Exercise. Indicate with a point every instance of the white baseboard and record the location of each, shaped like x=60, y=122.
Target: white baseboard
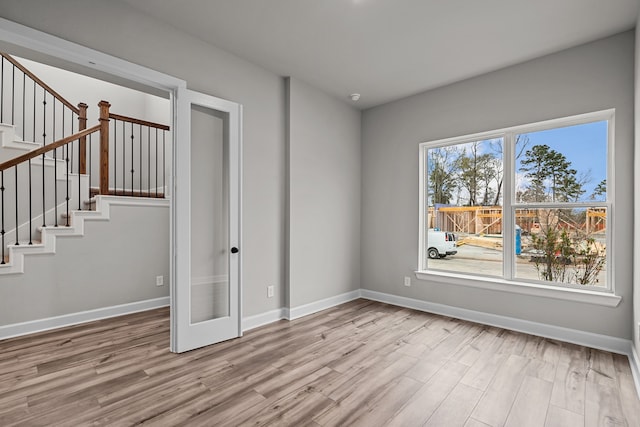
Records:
x=18, y=329
x=634, y=361
x=252, y=322
x=602, y=342
x=314, y=307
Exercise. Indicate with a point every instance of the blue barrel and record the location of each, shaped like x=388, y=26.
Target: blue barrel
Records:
x=518, y=240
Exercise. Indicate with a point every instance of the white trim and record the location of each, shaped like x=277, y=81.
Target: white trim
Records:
x=40, y=325
x=589, y=339
x=257, y=320
x=323, y=304
x=606, y=299
x=634, y=362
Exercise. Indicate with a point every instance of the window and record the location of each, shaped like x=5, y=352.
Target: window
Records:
x=524, y=205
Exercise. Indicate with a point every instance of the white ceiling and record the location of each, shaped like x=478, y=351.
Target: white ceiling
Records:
x=389, y=49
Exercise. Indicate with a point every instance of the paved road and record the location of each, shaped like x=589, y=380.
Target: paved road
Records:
x=488, y=262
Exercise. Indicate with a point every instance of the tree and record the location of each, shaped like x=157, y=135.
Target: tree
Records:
x=442, y=177
x=564, y=256
x=551, y=176
x=600, y=190
x=476, y=171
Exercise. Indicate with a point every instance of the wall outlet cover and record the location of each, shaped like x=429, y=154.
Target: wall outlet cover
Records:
x=407, y=281
x=270, y=291
x=159, y=280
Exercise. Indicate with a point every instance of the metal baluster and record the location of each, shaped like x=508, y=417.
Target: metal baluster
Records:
x=79, y=187
x=132, y=170
x=148, y=162
x=124, y=162
x=156, y=157
x=30, y=213
x=164, y=163
x=115, y=156
x=34, y=111
x=67, y=182
x=2, y=229
x=2, y=101
x=13, y=96
x=73, y=121
x=44, y=142
x=24, y=102
x=15, y=168
x=55, y=166
x=140, y=142
x=90, y=161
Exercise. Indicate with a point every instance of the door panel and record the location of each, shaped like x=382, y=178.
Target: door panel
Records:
x=206, y=292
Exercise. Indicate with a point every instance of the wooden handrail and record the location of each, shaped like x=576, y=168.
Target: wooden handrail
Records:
x=138, y=121
x=49, y=147
x=41, y=83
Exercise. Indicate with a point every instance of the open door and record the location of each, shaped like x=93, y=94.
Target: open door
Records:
x=206, y=300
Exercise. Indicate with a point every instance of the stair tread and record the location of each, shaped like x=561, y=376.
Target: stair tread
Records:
x=26, y=244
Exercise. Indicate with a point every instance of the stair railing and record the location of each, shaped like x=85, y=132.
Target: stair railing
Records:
x=137, y=151
x=21, y=93
x=132, y=146
x=25, y=160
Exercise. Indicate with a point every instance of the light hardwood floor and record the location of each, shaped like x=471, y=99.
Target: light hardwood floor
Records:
x=362, y=363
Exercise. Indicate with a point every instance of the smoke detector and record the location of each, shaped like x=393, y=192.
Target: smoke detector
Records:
x=354, y=96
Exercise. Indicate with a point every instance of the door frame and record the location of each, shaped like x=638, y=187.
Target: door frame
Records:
x=38, y=42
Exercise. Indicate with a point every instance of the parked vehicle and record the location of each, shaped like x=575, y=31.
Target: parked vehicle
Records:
x=440, y=244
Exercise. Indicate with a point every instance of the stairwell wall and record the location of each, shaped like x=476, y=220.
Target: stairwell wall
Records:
x=116, y=262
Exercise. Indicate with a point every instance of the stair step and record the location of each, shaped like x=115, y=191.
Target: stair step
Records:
x=25, y=243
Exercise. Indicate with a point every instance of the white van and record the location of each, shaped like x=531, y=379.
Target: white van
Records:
x=440, y=244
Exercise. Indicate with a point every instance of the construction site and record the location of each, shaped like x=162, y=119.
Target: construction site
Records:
x=482, y=225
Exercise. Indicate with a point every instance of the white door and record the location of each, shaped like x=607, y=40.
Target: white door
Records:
x=205, y=298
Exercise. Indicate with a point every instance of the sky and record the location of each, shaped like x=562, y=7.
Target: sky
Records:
x=584, y=146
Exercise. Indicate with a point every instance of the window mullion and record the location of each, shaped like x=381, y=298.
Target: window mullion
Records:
x=508, y=223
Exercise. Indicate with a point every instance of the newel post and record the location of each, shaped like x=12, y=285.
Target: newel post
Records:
x=104, y=146
x=82, y=125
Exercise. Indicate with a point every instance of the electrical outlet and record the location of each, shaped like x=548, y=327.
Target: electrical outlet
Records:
x=270, y=291
x=159, y=280
x=407, y=281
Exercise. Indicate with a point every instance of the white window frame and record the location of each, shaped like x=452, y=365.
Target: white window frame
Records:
x=508, y=282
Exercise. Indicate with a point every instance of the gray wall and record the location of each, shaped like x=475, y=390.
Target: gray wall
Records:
x=121, y=31
x=587, y=78
x=323, y=195
x=115, y=262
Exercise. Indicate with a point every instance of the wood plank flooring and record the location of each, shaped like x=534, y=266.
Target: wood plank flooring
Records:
x=362, y=363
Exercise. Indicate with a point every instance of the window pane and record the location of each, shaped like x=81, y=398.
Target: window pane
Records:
x=464, y=206
x=566, y=164
x=562, y=245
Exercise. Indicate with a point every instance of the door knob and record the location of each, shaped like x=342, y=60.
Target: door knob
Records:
x=234, y=250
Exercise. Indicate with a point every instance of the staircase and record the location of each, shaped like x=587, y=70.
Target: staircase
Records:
x=55, y=173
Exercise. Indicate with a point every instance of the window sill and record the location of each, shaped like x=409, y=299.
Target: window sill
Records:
x=590, y=297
